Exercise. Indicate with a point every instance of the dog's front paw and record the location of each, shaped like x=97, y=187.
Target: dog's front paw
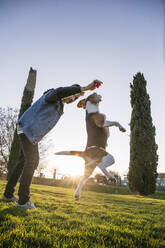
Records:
x=122, y=129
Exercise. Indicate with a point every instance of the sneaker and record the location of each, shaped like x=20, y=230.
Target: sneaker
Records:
x=27, y=205
x=11, y=199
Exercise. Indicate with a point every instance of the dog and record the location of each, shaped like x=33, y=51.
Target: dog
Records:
x=95, y=154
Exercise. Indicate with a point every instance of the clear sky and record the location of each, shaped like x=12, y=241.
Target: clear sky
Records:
x=74, y=41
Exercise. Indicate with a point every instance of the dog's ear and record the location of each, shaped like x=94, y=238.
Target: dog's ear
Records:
x=82, y=103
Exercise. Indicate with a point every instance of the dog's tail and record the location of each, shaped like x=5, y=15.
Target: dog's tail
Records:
x=72, y=153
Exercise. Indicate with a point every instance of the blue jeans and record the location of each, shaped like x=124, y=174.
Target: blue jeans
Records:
x=24, y=169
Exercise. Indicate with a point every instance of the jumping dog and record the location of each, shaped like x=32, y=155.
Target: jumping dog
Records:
x=95, y=153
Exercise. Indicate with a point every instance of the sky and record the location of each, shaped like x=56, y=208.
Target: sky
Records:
x=76, y=41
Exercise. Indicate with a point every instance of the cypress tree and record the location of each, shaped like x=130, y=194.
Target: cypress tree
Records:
x=26, y=102
x=142, y=173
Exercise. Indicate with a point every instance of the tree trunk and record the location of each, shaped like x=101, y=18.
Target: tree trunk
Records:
x=27, y=99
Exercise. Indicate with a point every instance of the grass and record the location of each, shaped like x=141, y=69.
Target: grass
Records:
x=97, y=220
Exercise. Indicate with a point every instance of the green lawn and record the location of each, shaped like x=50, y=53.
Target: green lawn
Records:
x=97, y=220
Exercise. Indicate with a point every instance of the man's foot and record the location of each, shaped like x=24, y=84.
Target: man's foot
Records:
x=11, y=199
x=27, y=205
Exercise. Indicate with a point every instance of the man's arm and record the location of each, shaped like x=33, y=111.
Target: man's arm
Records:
x=57, y=94
x=92, y=86
x=63, y=92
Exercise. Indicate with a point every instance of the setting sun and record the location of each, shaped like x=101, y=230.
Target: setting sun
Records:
x=66, y=165
x=72, y=165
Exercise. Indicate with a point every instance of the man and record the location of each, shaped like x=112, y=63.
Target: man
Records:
x=33, y=125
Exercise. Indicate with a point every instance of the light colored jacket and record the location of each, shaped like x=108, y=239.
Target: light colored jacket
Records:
x=43, y=115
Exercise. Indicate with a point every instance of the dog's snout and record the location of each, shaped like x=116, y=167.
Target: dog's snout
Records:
x=97, y=95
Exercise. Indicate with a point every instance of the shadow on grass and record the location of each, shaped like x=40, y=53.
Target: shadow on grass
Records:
x=48, y=193
x=160, y=195
x=15, y=211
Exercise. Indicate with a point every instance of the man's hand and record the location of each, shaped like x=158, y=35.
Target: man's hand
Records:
x=95, y=84
x=92, y=86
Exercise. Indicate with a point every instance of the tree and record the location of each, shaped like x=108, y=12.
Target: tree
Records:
x=27, y=99
x=8, y=119
x=143, y=149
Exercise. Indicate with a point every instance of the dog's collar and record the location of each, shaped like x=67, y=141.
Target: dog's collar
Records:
x=90, y=147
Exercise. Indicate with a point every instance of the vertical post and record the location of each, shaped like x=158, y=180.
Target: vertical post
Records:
x=54, y=174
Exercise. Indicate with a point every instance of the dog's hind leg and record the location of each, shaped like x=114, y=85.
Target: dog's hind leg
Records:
x=79, y=188
x=90, y=165
x=106, y=162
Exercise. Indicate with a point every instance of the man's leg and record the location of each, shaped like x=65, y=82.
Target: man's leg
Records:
x=31, y=156
x=14, y=177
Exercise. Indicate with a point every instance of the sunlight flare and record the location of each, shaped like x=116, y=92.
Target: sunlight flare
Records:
x=72, y=166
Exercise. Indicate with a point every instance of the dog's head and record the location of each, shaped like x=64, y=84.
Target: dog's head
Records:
x=93, y=98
